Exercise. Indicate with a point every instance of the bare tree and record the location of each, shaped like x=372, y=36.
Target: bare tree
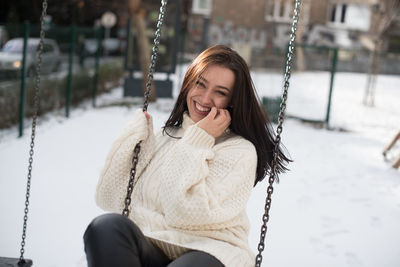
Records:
x=386, y=11
x=303, y=23
x=138, y=13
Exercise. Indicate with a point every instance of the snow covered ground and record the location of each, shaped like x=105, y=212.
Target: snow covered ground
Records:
x=338, y=206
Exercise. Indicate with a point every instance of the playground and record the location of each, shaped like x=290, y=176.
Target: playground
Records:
x=337, y=205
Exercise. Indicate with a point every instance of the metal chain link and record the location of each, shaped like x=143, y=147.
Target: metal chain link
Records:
x=132, y=182
x=270, y=189
x=36, y=101
x=154, y=53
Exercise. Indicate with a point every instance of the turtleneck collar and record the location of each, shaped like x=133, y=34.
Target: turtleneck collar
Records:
x=187, y=121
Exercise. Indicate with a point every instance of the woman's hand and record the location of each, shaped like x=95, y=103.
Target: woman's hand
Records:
x=147, y=116
x=216, y=122
x=149, y=124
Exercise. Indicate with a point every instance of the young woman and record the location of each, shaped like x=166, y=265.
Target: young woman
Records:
x=194, y=177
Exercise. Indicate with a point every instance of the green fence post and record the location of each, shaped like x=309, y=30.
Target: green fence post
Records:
x=23, y=76
x=96, y=65
x=333, y=71
x=69, y=78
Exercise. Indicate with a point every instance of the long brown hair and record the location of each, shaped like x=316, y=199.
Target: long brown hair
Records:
x=248, y=118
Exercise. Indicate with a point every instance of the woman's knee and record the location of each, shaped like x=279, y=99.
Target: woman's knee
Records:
x=103, y=226
x=109, y=242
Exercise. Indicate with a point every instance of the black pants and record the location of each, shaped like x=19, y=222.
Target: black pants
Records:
x=115, y=241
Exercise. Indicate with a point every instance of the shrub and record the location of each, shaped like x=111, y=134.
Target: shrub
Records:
x=53, y=91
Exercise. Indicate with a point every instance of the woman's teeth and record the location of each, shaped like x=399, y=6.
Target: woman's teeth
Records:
x=201, y=108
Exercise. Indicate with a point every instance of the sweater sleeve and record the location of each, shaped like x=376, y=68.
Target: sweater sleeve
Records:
x=113, y=182
x=205, y=186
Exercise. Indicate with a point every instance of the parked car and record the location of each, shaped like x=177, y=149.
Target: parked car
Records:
x=11, y=56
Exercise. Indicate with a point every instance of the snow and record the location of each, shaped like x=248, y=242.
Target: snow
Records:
x=338, y=206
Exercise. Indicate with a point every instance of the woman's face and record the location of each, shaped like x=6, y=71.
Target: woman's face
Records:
x=214, y=88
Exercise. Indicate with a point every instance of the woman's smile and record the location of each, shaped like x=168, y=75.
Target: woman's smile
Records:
x=202, y=110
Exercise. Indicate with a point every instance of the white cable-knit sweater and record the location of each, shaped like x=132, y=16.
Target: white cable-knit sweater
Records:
x=191, y=192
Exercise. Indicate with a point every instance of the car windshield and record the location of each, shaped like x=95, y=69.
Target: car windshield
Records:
x=17, y=46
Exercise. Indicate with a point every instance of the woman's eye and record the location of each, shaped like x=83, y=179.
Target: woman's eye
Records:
x=222, y=93
x=200, y=84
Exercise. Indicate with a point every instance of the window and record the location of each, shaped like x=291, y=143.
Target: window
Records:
x=351, y=16
x=344, y=7
x=202, y=7
x=279, y=10
x=338, y=13
x=333, y=13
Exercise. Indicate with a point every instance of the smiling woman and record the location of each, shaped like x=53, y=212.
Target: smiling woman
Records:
x=194, y=178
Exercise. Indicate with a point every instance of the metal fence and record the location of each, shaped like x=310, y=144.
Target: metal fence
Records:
x=326, y=62
x=88, y=63
x=77, y=64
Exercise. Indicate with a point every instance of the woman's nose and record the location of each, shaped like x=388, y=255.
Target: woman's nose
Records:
x=206, y=97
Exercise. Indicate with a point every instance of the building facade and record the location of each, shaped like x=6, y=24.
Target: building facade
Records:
x=265, y=24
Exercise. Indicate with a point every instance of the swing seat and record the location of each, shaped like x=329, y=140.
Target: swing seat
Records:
x=14, y=262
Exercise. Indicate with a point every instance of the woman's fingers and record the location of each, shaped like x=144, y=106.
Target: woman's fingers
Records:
x=223, y=117
x=228, y=117
x=147, y=116
x=227, y=114
x=213, y=113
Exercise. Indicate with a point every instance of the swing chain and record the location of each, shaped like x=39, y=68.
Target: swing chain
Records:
x=154, y=53
x=36, y=101
x=270, y=189
x=132, y=182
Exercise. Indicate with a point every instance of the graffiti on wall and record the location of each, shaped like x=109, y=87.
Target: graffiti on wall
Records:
x=237, y=35
x=282, y=35
x=229, y=34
